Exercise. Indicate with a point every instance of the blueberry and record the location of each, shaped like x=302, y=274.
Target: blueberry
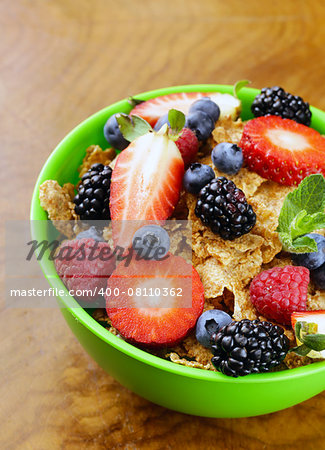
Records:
x=91, y=233
x=161, y=122
x=196, y=177
x=201, y=123
x=206, y=105
x=311, y=260
x=113, y=134
x=209, y=323
x=151, y=242
x=318, y=277
x=228, y=158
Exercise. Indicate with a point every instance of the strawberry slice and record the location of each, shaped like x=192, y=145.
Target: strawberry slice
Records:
x=312, y=322
x=153, y=109
x=145, y=184
x=154, y=303
x=282, y=150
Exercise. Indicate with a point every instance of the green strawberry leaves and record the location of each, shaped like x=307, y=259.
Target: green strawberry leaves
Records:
x=302, y=212
x=132, y=101
x=176, y=120
x=132, y=127
x=239, y=85
x=311, y=340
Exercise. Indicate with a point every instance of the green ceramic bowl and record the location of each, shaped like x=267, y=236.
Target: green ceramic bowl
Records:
x=192, y=391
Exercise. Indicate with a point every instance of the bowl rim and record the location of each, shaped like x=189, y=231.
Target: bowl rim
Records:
x=69, y=303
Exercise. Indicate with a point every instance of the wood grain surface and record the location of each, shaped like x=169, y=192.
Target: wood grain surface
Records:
x=61, y=61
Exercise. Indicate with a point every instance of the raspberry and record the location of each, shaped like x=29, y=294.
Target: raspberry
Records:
x=84, y=264
x=277, y=293
x=188, y=145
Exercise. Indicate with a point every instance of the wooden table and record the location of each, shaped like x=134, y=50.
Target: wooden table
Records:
x=60, y=62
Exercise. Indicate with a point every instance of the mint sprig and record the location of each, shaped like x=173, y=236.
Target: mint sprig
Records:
x=302, y=212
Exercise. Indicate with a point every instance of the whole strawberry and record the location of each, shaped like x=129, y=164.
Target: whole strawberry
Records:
x=188, y=145
x=276, y=293
x=84, y=265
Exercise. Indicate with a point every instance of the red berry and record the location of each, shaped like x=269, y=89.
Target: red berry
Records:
x=160, y=320
x=145, y=185
x=276, y=293
x=317, y=316
x=282, y=150
x=188, y=145
x=153, y=109
x=84, y=266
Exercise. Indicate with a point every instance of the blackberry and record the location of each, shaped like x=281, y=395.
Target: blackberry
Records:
x=245, y=347
x=277, y=102
x=224, y=208
x=92, y=200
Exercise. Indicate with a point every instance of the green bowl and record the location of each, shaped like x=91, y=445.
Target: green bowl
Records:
x=184, y=389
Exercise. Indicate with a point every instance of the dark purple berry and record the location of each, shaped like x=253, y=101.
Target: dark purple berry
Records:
x=113, y=134
x=200, y=123
x=197, y=176
x=223, y=208
x=227, y=158
x=248, y=346
x=92, y=200
x=208, y=106
x=277, y=102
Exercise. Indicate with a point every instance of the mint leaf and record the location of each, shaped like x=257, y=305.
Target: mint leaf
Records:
x=304, y=244
x=314, y=341
x=177, y=121
x=302, y=212
x=239, y=85
x=132, y=127
x=301, y=350
x=304, y=223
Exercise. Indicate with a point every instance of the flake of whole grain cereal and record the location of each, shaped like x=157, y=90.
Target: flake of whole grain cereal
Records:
x=214, y=278
x=243, y=307
x=94, y=155
x=185, y=362
x=196, y=351
x=292, y=360
x=56, y=201
x=227, y=131
x=316, y=300
x=70, y=190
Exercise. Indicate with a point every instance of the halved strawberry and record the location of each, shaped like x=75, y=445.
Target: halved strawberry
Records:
x=154, y=303
x=153, y=109
x=282, y=150
x=313, y=322
x=145, y=184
